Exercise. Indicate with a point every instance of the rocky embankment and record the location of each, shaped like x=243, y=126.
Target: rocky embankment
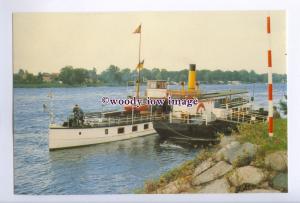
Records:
x=231, y=167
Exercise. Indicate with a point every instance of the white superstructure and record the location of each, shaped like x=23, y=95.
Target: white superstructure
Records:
x=65, y=137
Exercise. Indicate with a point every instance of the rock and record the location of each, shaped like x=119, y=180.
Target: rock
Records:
x=225, y=140
x=216, y=186
x=233, y=145
x=280, y=182
x=244, y=155
x=225, y=152
x=219, y=156
x=218, y=170
x=174, y=187
x=265, y=185
x=277, y=161
x=171, y=188
x=261, y=191
x=203, y=166
x=237, y=154
x=247, y=175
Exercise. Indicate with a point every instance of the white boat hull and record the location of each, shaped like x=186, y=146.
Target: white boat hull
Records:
x=60, y=137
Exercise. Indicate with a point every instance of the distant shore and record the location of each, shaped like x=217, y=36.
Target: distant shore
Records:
x=60, y=85
x=55, y=85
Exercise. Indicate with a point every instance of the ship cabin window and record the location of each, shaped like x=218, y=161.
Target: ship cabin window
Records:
x=120, y=130
x=217, y=104
x=146, y=126
x=106, y=131
x=134, y=128
x=154, y=84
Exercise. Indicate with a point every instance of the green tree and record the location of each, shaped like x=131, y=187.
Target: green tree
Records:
x=111, y=75
x=67, y=75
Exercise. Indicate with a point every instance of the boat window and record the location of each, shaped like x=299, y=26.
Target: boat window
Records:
x=161, y=85
x=146, y=126
x=120, y=130
x=152, y=85
x=157, y=85
x=134, y=128
x=106, y=131
x=217, y=104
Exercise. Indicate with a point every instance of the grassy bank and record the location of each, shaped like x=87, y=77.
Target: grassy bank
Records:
x=183, y=173
x=258, y=134
x=253, y=133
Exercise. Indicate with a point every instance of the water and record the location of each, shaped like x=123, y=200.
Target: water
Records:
x=118, y=167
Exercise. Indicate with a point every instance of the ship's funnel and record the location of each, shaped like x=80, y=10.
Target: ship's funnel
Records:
x=192, y=77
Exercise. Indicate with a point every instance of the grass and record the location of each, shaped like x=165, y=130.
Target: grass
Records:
x=183, y=172
x=258, y=134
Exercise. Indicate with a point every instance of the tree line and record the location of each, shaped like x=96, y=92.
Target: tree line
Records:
x=113, y=76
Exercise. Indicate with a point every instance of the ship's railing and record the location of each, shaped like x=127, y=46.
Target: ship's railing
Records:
x=244, y=116
x=123, y=120
x=234, y=103
x=189, y=119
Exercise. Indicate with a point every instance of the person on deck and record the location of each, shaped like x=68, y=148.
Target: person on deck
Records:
x=276, y=114
x=78, y=115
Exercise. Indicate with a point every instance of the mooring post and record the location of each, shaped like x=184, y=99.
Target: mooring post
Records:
x=270, y=85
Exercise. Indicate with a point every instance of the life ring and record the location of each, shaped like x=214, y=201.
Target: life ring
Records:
x=200, y=105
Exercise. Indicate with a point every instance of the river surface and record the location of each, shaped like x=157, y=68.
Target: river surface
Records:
x=111, y=168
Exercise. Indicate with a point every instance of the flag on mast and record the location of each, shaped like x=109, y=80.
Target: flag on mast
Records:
x=140, y=65
x=138, y=29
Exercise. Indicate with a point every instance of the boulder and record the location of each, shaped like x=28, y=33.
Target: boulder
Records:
x=203, y=166
x=261, y=191
x=219, y=156
x=237, y=154
x=218, y=170
x=244, y=155
x=174, y=187
x=216, y=186
x=280, y=182
x=277, y=161
x=265, y=185
x=247, y=175
x=225, y=140
x=225, y=152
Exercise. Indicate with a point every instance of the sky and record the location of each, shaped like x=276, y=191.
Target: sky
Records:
x=226, y=40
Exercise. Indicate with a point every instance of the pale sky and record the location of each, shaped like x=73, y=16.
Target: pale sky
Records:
x=227, y=40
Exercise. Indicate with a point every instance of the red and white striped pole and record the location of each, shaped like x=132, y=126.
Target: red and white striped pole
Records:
x=270, y=85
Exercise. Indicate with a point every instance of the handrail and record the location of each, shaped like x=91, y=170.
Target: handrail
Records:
x=113, y=121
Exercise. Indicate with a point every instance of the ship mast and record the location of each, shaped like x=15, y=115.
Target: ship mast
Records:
x=140, y=64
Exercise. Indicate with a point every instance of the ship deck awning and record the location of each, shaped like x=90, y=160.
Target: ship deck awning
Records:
x=222, y=94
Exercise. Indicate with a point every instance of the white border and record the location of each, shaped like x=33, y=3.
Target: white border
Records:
x=6, y=138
